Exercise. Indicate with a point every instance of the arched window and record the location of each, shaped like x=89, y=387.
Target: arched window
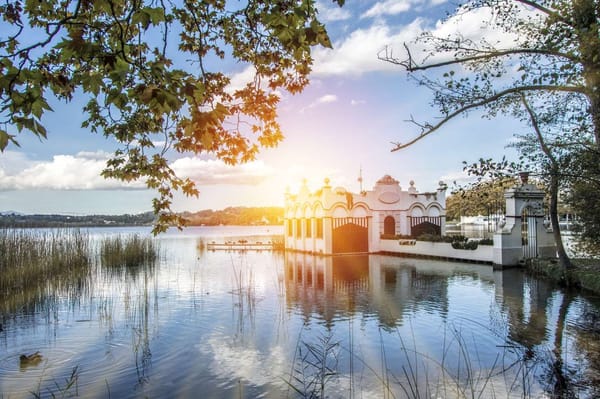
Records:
x=389, y=225
x=319, y=228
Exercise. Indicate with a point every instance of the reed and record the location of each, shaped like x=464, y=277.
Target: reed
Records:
x=68, y=389
x=459, y=373
x=128, y=251
x=31, y=260
x=511, y=374
x=315, y=366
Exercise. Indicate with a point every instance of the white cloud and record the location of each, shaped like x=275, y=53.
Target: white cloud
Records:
x=479, y=25
x=458, y=177
x=357, y=102
x=388, y=7
x=357, y=54
x=240, y=79
x=13, y=161
x=211, y=172
x=326, y=99
x=82, y=172
x=330, y=13
x=159, y=143
x=245, y=362
x=63, y=172
x=395, y=7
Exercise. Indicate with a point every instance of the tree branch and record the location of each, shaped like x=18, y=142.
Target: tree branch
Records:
x=427, y=128
x=545, y=10
x=411, y=66
x=536, y=128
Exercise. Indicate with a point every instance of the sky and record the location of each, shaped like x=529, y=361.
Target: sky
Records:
x=342, y=124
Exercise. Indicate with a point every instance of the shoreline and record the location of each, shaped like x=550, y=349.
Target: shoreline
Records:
x=585, y=276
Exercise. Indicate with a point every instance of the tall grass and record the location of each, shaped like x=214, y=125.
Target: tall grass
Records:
x=459, y=373
x=68, y=389
x=31, y=260
x=130, y=251
x=315, y=365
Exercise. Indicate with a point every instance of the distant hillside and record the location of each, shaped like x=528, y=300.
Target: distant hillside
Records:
x=21, y=220
x=244, y=216
x=230, y=216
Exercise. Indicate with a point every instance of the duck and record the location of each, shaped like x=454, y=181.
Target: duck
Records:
x=30, y=360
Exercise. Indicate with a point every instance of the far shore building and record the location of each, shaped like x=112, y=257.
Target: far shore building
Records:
x=336, y=221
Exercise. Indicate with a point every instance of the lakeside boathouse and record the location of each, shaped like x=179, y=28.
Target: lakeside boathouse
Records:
x=335, y=221
x=332, y=221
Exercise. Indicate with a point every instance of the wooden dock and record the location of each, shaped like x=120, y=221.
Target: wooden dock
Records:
x=241, y=245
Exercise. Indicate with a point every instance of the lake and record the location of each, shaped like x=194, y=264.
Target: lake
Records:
x=227, y=324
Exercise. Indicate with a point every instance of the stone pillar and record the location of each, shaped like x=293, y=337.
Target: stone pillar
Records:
x=328, y=235
x=508, y=246
x=372, y=236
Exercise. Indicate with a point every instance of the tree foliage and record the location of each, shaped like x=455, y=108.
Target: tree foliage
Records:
x=485, y=195
x=583, y=199
x=548, y=49
x=152, y=72
x=544, y=69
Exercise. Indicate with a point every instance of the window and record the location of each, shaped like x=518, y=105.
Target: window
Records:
x=389, y=225
x=290, y=228
x=309, y=228
x=319, y=228
x=298, y=227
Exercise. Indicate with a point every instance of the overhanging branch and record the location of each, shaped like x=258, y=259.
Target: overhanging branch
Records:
x=412, y=66
x=545, y=10
x=427, y=128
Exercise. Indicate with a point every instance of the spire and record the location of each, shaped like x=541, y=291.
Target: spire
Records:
x=360, y=179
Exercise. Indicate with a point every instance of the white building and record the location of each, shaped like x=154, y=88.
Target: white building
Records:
x=334, y=220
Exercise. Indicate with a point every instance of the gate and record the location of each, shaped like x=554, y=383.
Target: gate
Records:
x=425, y=225
x=529, y=234
x=350, y=235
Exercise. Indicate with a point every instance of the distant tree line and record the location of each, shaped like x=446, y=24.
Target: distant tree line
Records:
x=19, y=220
x=245, y=216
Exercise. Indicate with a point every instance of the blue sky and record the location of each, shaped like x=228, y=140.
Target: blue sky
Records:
x=346, y=119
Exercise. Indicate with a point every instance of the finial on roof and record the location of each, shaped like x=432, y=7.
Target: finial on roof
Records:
x=387, y=179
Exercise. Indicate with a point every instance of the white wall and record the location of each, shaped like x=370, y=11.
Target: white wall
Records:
x=483, y=253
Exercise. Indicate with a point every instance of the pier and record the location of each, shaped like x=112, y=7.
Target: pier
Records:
x=240, y=245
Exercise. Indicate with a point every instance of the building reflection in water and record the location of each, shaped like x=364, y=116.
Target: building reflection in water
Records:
x=336, y=286
x=530, y=316
x=526, y=303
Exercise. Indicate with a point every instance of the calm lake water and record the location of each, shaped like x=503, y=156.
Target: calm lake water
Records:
x=218, y=324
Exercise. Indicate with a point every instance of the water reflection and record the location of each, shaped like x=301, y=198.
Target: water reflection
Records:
x=332, y=287
x=231, y=324
x=525, y=302
x=527, y=319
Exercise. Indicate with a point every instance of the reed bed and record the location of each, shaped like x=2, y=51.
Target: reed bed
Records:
x=38, y=266
x=129, y=251
x=29, y=259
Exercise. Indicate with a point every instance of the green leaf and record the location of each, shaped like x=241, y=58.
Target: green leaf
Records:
x=4, y=137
